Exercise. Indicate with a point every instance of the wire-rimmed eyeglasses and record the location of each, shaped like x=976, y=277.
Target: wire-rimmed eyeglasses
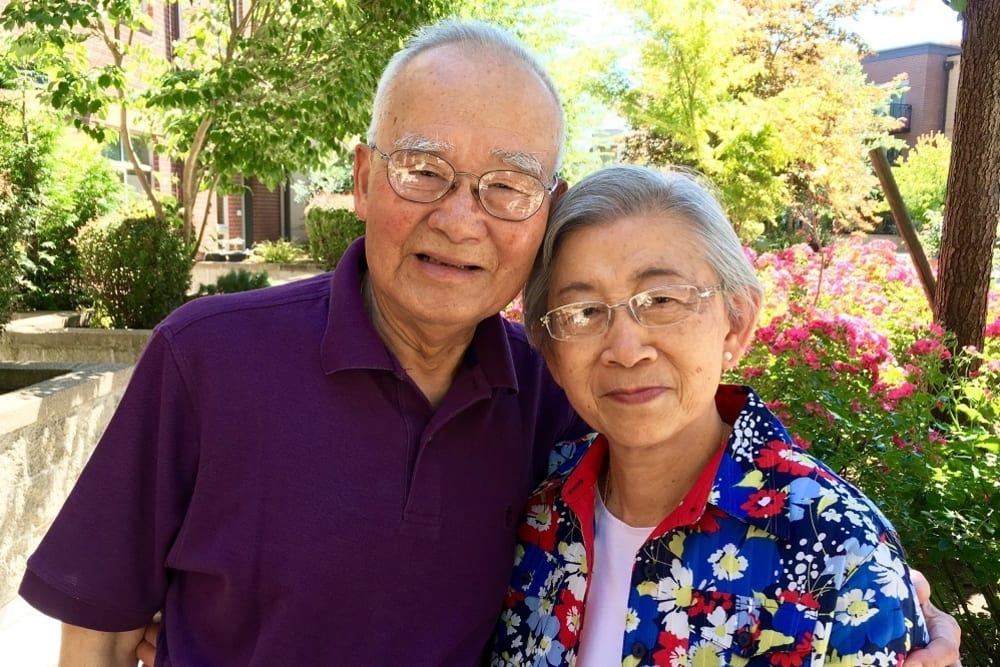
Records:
x=655, y=307
x=423, y=177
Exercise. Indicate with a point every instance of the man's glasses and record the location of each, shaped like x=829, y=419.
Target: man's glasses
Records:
x=656, y=307
x=424, y=177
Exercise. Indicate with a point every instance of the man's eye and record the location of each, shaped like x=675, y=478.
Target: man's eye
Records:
x=425, y=173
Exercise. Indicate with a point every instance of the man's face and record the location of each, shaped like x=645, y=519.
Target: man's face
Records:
x=448, y=264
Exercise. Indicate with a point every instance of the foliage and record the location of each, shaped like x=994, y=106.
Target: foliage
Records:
x=765, y=97
x=80, y=186
x=281, y=251
x=262, y=88
x=237, y=280
x=23, y=150
x=8, y=251
x=847, y=356
x=330, y=231
x=922, y=176
x=137, y=267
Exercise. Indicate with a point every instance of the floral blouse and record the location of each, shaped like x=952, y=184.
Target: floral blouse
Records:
x=786, y=564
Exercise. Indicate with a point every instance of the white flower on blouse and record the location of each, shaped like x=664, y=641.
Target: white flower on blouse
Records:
x=727, y=563
x=855, y=607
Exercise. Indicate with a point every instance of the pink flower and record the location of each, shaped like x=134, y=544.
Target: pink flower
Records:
x=904, y=390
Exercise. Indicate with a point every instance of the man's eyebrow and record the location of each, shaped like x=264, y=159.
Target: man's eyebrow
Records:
x=419, y=142
x=521, y=161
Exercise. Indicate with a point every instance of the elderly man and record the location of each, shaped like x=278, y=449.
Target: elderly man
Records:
x=331, y=472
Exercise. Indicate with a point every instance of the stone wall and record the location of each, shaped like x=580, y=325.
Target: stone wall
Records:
x=47, y=432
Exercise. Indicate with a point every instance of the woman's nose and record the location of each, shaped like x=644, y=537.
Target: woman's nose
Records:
x=626, y=341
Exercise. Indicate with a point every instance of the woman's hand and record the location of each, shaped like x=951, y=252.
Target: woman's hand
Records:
x=146, y=649
x=946, y=635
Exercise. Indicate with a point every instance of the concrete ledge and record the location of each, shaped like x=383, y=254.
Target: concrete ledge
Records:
x=47, y=433
x=45, y=337
x=206, y=273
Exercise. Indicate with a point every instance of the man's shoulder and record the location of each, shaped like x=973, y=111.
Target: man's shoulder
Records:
x=520, y=347
x=233, y=312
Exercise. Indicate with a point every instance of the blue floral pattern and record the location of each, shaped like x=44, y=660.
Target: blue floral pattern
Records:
x=787, y=565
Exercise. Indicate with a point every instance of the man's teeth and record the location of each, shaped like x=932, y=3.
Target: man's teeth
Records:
x=431, y=260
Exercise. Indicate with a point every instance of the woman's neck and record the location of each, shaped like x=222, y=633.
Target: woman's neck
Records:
x=642, y=487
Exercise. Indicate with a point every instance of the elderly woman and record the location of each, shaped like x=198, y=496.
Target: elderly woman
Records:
x=689, y=530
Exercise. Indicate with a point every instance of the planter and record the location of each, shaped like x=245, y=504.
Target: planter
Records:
x=54, y=337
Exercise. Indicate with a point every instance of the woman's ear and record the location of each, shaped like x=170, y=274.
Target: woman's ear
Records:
x=742, y=325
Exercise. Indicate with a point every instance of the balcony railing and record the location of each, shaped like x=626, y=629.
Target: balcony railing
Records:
x=902, y=113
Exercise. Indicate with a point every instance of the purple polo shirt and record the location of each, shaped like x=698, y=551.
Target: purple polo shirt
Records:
x=278, y=486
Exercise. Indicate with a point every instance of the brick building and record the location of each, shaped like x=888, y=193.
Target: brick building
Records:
x=931, y=77
x=258, y=214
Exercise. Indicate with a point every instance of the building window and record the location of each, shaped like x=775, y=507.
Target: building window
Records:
x=115, y=152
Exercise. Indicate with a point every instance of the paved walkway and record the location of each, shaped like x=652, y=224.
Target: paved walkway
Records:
x=27, y=637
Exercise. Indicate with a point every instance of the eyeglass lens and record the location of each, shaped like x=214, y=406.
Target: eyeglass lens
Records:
x=424, y=177
x=657, y=307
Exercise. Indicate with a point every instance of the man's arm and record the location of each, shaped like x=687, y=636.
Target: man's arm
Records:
x=83, y=647
x=944, y=630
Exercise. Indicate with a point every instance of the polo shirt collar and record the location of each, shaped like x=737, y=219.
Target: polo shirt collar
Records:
x=351, y=342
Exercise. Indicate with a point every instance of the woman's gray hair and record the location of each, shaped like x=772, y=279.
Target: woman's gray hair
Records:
x=625, y=191
x=480, y=37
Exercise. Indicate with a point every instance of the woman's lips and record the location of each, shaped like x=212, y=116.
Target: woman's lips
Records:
x=634, y=395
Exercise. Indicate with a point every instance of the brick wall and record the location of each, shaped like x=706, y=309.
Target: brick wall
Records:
x=928, y=79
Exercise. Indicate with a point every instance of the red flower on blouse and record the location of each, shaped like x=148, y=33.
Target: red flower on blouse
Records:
x=765, y=503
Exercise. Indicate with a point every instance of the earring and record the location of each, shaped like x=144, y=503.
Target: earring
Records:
x=727, y=355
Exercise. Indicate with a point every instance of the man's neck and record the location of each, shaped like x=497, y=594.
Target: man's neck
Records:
x=430, y=357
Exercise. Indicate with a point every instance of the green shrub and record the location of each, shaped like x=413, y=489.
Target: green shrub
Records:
x=330, y=231
x=9, y=234
x=922, y=177
x=24, y=147
x=237, y=280
x=80, y=187
x=276, y=252
x=137, y=268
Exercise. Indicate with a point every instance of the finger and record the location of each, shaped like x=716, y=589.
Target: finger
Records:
x=146, y=652
x=150, y=633
x=946, y=636
x=922, y=585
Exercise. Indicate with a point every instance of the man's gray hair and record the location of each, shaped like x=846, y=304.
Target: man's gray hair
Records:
x=479, y=37
x=625, y=191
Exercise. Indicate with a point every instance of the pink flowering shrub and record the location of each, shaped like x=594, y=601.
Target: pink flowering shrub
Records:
x=847, y=355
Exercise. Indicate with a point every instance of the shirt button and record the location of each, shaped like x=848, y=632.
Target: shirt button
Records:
x=649, y=570
x=744, y=640
x=638, y=650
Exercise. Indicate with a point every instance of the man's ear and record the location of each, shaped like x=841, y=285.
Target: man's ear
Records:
x=561, y=188
x=362, y=172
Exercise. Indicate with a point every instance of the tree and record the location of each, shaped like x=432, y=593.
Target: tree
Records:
x=260, y=88
x=766, y=97
x=922, y=177
x=971, y=210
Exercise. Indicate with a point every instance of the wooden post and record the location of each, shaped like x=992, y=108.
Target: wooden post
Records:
x=903, y=222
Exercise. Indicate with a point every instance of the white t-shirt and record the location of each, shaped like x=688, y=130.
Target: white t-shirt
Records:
x=615, y=547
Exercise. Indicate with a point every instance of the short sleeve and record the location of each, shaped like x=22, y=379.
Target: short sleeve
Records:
x=101, y=565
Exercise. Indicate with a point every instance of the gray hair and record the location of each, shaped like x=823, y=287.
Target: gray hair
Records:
x=623, y=191
x=479, y=37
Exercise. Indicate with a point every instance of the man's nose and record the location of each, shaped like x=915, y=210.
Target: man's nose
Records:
x=460, y=213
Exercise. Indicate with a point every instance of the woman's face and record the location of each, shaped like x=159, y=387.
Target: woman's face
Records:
x=639, y=386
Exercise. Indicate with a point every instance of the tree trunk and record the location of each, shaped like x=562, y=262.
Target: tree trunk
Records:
x=972, y=204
